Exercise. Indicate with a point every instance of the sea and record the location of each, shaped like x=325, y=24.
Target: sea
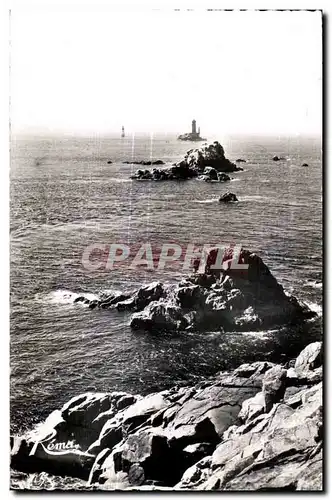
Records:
x=64, y=196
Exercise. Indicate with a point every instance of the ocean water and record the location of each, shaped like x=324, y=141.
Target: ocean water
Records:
x=64, y=196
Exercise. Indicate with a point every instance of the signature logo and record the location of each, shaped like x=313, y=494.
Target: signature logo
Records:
x=53, y=447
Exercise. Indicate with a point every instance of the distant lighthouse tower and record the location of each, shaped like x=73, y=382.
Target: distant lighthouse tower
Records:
x=123, y=132
x=193, y=127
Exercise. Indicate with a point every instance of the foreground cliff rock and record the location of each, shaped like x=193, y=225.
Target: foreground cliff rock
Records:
x=256, y=428
x=222, y=299
x=194, y=164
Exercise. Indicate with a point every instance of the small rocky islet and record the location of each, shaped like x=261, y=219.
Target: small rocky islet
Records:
x=223, y=299
x=205, y=163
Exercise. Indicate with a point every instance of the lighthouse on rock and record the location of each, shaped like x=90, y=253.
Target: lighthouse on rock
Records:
x=193, y=135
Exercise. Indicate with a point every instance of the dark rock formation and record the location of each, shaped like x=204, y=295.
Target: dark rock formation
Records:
x=217, y=435
x=211, y=173
x=305, y=165
x=240, y=160
x=209, y=162
x=109, y=162
x=191, y=137
x=216, y=297
x=276, y=158
x=222, y=177
x=228, y=198
x=212, y=155
x=145, y=162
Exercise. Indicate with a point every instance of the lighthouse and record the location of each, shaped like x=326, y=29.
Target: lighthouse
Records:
x=194, y=135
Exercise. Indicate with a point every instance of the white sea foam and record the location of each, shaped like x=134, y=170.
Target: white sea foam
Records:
x=315, y=284
x=209, y=200
x=261, y=334
x=63, y=297
x=313, y=306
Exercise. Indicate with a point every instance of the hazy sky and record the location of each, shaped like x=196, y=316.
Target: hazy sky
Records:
x=92, y=71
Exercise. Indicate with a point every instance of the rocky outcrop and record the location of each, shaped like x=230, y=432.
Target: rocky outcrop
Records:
x=228, y=198
x=241, y=160
x=175, y=172
x=249, y=429
x=192, y=137
x=216, y=297
x=212, y=155
x=210, y=174
x=305, y=165
x=207, y=163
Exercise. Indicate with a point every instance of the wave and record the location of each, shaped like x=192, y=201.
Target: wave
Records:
x=63, y=297
x=314, y=306
x=258, y=198
x=314, y=284
x=44, y=481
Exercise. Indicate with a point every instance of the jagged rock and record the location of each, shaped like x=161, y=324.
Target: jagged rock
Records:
x=162, y=316
x=310, y=358
x=142, y=297
x=195, y=475
x=112, y=300
x=307, y=368
x=274, y=386
x=185, y=429
x=109, y=162
x=211, y=173
x=79, y=299
x=60, y=444
x=240, y=160
x=191, y=137
x=213, y=156
x=194, y=163
x=144, y=162
x=222, y=177
x=252, y=407
x=248, y=369
x=305, y=165
x=127, y=420
x=136, y=475
x=216, y=297
x=271, y=452
x=219, y=434
x=227, y=198
x=300, y=378
x=278, y=158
